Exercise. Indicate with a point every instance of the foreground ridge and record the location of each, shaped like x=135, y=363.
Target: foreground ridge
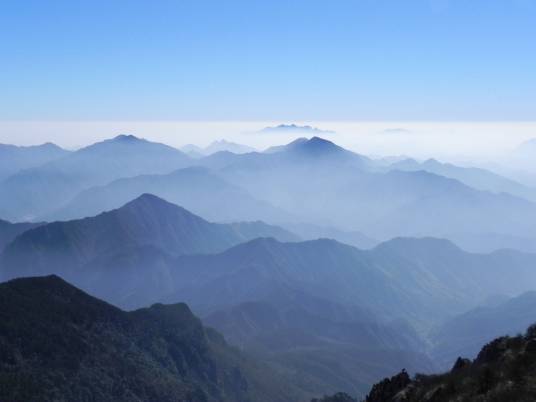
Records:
x=504, y=370
x=59, y=344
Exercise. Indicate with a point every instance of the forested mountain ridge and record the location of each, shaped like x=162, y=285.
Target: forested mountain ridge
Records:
x=58, y=343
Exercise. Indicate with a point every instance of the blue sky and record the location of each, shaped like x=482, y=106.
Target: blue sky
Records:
x=434, y=60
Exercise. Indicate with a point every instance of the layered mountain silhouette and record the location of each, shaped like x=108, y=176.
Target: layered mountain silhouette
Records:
x=326, y=311
x=58, y=343
x=309, y=181
x=422, y=280
x=196, y=188
x=312, y=232
x=480, y=179
x=294, y=129
x=216, y=146
x=323, y=184
x=40, y=190
x=325, y=315
x=16, y=158
x=8, y=231
x=301, y=153
x=147, y=221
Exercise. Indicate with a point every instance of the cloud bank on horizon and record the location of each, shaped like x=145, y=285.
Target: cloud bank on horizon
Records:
x=454, y=141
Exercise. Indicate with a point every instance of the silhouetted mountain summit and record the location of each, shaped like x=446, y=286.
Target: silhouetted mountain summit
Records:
x=294, y=128
x=315, y=146
x=126, y=137
x=64, y=247
x=128, y=146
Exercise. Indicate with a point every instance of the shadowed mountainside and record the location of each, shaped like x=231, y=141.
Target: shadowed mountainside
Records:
x=159, y=353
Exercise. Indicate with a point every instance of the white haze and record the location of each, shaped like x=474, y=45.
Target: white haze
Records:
x=460, y=142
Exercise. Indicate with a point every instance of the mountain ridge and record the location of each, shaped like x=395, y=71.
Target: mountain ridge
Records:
x=165, y=350
x=147, y=220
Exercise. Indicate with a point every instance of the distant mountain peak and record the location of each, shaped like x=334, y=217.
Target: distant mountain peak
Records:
x=294, y=128
x=126, y=138
x=51, y=146
x=224, y=145
x=317, y=146
x=432, y=161
x=148, y=199
x=216, y=146
x=221, y=142
x=130, y=143
x=319, y=140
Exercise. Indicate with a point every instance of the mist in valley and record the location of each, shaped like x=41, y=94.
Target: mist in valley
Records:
x=306, y=255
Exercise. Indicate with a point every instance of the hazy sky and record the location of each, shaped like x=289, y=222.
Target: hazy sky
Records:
x=434, y=60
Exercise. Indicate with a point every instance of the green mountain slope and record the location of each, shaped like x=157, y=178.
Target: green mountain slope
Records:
x=60, y=344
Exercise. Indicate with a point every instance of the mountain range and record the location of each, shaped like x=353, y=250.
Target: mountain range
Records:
x=321, y=309
x=323, y=184
x=40, y=190
x=476, y=178
x=196, y=188
x=327, y=269
x=307, y=182
x=66, y=247
x=150, y=224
